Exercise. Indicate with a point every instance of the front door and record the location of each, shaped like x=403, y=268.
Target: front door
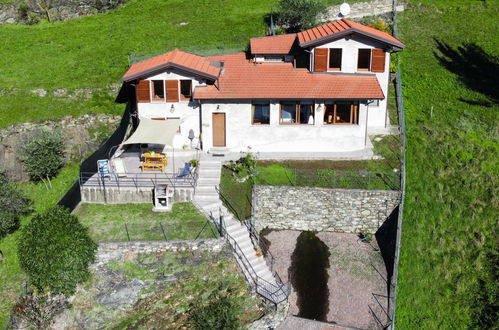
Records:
x=219, y=129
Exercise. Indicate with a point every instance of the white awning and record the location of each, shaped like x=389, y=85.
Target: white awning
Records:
x=154, y=132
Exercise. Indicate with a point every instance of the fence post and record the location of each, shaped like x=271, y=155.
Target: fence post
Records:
x=163, y=230
x=127, y=234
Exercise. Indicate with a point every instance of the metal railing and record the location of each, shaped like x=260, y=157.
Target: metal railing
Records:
x=138, y=180
x=275, y=293
x=258, y=243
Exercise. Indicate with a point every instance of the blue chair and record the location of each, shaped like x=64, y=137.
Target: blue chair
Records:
x=185, y=171
x=103, y=167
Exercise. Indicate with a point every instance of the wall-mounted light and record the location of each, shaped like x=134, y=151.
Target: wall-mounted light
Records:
x=218, y=107
x=319, y=108
x=172, y=109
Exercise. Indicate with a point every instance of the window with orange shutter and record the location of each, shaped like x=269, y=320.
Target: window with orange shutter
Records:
x=143, y=91
x=320, y=59
x=172, y=91
x=378, y=60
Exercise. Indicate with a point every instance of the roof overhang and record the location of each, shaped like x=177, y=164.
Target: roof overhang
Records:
x=165, y=66
x=348, y=32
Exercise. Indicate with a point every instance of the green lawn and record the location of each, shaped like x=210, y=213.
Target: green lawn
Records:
x=43, y=197
x=448, y=266
x=107, y=222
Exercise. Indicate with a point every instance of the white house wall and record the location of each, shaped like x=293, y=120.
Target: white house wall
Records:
x=350, y=47
x=241, y=134
x=187, y=111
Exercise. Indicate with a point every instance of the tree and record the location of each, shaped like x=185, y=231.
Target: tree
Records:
x=55, y=250
x=13, y=204
x=42, y=154
x=298, y=15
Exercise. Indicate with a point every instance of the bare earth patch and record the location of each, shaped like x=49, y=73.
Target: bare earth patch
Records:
x=356, y=272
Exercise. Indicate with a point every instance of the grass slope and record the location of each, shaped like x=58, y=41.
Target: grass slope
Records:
x=447, y=277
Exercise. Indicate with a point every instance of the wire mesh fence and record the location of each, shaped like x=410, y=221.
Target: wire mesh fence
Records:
x=152, y=230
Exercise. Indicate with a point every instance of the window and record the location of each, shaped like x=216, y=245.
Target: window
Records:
x=364, y=60
x=296, y=113
x=335, y=59
x=342, y=113
x=288, y=113
x=158, y=90
x=185, y=90
x=261, y=113
x=307, y=114
x=274, y=58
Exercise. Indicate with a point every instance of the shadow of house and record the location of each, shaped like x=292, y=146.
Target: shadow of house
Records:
x=475, y=69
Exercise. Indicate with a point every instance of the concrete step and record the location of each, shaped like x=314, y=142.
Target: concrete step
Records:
x=208, y=181
x=206, y=189
x=210, y=164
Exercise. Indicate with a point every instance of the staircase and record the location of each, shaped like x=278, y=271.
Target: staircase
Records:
x=255, y=268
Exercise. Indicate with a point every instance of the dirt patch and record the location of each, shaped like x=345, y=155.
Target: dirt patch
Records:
x=356, y=272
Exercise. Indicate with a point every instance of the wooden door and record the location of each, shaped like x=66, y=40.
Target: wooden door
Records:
x=219, y=129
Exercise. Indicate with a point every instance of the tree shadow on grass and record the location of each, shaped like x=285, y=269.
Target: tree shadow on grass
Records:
x=476, y=69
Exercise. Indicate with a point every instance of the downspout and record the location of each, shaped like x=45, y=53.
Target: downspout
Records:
x=367, y=117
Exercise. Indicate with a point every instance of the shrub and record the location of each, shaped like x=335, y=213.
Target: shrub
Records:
x=37, y=311
x=244, y=167
x=221, y=313
x=298, y=15
x=12, y=205
x=55, y=250
x=42, y=154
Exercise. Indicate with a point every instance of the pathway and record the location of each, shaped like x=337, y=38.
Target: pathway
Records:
x=254, y=267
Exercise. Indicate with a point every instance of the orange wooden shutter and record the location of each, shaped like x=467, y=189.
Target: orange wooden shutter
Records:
x=320, y=59
x=143, y=91
x=171, y=90
x=378, y=60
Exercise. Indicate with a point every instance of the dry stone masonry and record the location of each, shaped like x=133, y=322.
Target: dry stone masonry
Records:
x=363, y=9
x=322, y=209
x=119, y=251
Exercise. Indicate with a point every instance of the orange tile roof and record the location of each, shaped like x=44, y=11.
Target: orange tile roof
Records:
x=194, y=64
x=273, y=44
x=343, y=27
x=241, y=79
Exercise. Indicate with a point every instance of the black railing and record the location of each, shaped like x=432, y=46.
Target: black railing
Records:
x=258, y=244
x=275, y=293
x=138, y=180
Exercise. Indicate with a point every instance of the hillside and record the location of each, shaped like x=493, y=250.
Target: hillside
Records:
x=448, y=267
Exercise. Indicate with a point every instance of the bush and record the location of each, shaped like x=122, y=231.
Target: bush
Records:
x=42, y=154
x=298, y=15
x=12, y=205
x=221, y=313
x=55, y=250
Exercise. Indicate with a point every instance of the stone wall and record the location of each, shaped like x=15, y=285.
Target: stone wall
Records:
x=362, y=9
x=322, y=209
x=130, y=195
x=80, y=135
x=119, y=251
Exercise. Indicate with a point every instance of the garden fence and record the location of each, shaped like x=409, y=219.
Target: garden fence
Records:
x=151, y=231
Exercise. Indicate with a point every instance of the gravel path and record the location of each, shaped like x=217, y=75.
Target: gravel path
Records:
x=352, y=276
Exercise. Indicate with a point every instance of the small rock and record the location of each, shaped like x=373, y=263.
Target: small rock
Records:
x=40, y=92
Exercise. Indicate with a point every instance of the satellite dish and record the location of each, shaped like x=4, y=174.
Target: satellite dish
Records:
x=344, y=9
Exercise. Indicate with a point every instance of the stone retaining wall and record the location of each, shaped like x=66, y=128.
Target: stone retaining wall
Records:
x=129, y=195
x=362, y=9
x=322, y=209
x=118, y=251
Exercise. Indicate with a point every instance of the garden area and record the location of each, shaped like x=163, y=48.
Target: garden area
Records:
x=137, y=222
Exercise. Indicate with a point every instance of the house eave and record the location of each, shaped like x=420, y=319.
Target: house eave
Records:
x=166, y=66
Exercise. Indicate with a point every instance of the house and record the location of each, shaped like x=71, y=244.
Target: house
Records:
x=320, y=90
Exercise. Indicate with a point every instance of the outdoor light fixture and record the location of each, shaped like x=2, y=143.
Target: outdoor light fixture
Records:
x=172, y=109
x=218, y=107
x=319, y=108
